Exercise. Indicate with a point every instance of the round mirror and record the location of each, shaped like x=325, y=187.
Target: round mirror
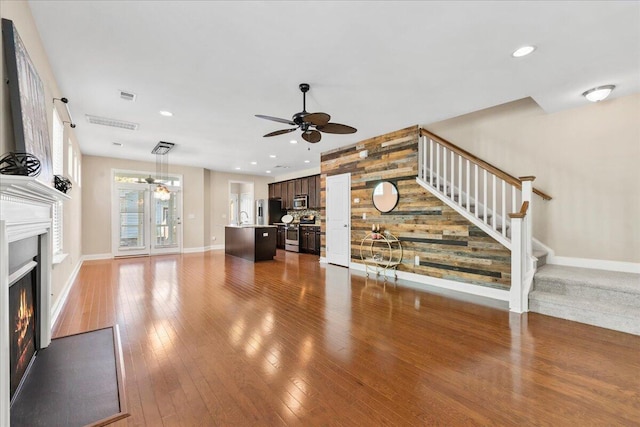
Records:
x=385, y=196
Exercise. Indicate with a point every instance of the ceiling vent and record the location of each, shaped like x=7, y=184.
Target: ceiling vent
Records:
x=162, y=147
x=95, y=120
x=281, y=167
x=127, y=96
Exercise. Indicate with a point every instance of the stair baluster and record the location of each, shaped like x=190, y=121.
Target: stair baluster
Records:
x=486, y=204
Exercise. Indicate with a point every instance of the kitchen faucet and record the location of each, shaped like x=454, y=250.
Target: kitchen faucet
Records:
x=246, y=214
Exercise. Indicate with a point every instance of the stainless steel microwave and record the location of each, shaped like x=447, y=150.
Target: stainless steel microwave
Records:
x=300, y=202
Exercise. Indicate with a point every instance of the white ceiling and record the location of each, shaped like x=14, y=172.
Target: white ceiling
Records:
x=377, y=66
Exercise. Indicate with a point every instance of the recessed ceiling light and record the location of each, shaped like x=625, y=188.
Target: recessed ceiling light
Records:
x=293, y=141
x=237, y=168
x=306, y=161
x=268, y=171
x=118, y=144
x=273, y=156
x=523, y=51
x=598, y=93
x=254, y=163
x=166, y=113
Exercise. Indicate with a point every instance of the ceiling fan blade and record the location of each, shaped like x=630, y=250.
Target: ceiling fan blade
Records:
x=311, y=136
x=336, y=128
x=280, y=132
x=276, y=119
x=317, y=119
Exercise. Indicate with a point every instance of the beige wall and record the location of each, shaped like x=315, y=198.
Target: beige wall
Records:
x=206, y=198
x=20, y=14
x=585, y=158
x=96, y=211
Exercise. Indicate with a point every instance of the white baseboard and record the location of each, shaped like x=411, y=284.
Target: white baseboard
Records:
x=202, y=249
x=597, y=264
x=194, y=250
x=467, y=288
x=57, y=306
x=96, y=257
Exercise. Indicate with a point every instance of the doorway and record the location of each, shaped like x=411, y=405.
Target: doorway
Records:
x=144, y=221
x=338, y=245
x=241, y=203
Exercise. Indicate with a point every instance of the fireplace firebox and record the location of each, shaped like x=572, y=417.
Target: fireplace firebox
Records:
x=22, y=321
x=23, y=304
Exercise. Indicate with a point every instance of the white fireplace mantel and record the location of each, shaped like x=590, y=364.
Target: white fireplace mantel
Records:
x=25, y=211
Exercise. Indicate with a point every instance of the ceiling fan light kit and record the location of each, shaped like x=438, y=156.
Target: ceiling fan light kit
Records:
x=311, y=124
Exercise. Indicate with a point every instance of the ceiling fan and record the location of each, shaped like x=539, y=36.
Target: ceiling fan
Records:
x=311, y=124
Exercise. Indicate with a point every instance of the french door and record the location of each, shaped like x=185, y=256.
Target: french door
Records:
x=144, y=224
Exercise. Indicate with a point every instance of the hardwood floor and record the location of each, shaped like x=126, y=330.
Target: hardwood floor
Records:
x=210, y=339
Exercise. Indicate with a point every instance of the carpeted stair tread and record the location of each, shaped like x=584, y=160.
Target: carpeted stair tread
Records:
x=586, y=310
x=613, y=280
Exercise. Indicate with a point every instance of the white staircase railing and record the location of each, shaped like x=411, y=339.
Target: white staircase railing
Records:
x=484, y=195
x=522, y=266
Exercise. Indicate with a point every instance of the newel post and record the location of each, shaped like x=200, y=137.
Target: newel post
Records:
x=516, y=265
x=527, y=196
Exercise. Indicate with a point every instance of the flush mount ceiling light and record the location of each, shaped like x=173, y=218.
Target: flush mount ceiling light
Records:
x=293, y=141
x=268, y=171
x=523, y=51
x=254, y=163
x=166, y=113
x=306, y=161
x=273, y=156
x=598, y=93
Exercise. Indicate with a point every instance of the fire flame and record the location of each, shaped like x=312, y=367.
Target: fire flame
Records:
x=24, y=317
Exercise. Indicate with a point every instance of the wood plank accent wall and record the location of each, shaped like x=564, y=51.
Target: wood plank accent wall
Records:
x=449, y=246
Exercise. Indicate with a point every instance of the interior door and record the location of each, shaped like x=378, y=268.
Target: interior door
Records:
x=166, y=223
x=338, y=245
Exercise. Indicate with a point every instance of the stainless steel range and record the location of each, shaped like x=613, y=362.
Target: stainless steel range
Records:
x=292, y=238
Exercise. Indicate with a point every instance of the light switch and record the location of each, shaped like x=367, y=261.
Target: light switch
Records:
x=364, y=215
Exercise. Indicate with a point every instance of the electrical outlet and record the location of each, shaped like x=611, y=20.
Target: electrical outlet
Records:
x=213, y=238
x=417, y=260
x=364, y=215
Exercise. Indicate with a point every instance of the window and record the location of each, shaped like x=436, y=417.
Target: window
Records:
x=70, y=160
x=58, y=141
x=58, y=169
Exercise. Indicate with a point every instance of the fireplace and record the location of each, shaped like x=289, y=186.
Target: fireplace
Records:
x=25, y=279
x=23, y=308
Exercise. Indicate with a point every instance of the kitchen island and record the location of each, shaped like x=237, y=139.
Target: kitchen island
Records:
x=251, y=242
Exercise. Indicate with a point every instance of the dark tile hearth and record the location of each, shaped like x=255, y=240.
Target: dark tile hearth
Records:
x=73, y=382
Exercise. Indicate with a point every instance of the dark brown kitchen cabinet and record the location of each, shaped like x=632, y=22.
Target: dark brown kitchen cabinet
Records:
x=304, y=186
x=280, y=237
x=275, y=190
x=297, y=183
x=287, y=190
x=311, y=183
x=290, y=194
x=317, y=192
x=309, y=242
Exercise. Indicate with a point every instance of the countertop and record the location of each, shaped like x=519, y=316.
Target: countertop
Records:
x=297, y=223
x=250, y=226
